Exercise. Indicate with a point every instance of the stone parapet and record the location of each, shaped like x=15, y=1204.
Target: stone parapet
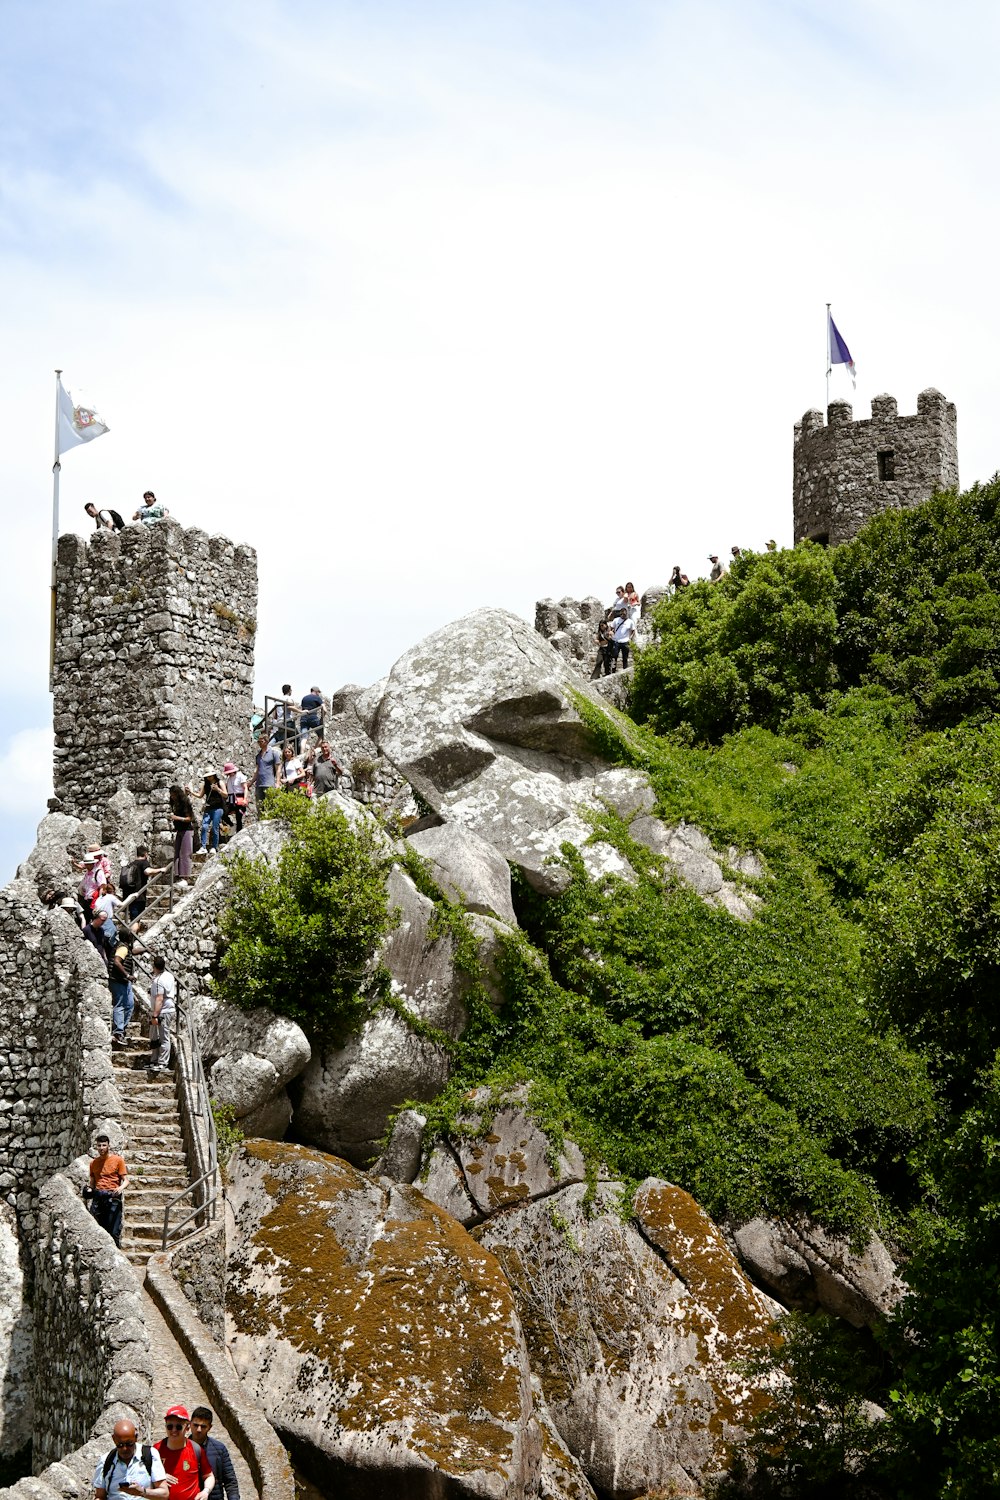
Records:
x=245, y=1422
x=93, y=1366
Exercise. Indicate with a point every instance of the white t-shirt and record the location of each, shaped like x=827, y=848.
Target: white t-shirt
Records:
x=236, y=784
x=166, y=985
x=624, y=631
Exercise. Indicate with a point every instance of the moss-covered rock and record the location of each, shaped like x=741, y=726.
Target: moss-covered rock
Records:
x=378, y=1335
x=633, y=1327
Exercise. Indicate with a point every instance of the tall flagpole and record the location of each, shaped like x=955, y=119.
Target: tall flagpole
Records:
x=56, y=467
x=828, y=364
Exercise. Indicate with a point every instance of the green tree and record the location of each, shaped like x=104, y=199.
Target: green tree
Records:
x=934, y=914
x=945, y=1409
x=920, y=605
x=747, y=650
x=301, y=936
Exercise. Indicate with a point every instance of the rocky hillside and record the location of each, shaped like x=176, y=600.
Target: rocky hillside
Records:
x=625, y=1036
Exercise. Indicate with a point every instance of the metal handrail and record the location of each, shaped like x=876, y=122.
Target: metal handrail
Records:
x=291, y=727
x=195, y=1213
x=197, y=1121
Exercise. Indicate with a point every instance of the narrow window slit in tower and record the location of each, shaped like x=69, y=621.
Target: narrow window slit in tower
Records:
x=887, y=464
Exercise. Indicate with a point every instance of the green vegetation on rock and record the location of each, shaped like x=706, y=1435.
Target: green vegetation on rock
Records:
x=301, y=937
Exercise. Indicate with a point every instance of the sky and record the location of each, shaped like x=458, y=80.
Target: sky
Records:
x=450, y=303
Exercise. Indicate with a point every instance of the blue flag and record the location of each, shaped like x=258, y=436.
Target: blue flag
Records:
x=837, y=351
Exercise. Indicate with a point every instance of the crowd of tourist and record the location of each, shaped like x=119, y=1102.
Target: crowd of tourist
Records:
x=618, y=627
x=186, y=1464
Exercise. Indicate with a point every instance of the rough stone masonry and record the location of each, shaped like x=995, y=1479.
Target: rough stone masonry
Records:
x=846, y=472
x=153, y=674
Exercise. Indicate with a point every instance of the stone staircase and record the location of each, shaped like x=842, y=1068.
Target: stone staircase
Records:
x=154, y=1153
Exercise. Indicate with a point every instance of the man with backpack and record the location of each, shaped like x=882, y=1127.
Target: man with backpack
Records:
x=105, y=520
x=184, y=1461
x=126, y=1471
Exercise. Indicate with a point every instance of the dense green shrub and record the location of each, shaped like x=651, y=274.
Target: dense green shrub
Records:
x=817, y=1436
x=934, y=915
x=746, y=650
x=300, y=937
x=919, y=605
x=945, y=1410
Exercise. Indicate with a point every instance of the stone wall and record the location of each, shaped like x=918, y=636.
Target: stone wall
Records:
x=153, y=674
x=56, y=1076
x=92, y=1361
x=845, y=472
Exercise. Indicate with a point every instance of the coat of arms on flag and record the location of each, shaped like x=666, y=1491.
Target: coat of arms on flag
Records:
x=77, y=424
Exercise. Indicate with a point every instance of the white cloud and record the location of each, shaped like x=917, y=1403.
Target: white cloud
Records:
x=450, y=305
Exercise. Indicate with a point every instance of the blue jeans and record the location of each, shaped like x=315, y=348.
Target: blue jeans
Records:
x=123, y=1003
x=213, y=817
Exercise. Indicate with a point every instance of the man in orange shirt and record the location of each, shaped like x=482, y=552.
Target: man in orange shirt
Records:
x=189, y=1473
x=108, y=1178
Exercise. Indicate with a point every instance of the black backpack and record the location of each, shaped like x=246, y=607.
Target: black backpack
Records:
x=119, y=523
x=109, y=1463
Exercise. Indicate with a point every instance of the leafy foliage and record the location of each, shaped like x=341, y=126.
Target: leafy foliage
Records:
x=746, y=650
x=946, y=1407
x=919, y=606
x=301, y=936
x=820, y=1436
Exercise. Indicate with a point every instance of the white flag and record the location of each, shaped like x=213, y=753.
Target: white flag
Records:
x=77, y=424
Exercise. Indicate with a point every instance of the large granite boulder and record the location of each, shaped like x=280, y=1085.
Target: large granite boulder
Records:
x=467, y=869
x=380, y=1339
x=497, y=1157
x=636, y=1329
x=806, y=1267
x=250, y=1057
x=480, y=719
x=347, y=1093
x=59, y=839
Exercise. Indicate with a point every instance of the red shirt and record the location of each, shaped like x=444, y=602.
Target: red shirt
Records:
x=184, y=1463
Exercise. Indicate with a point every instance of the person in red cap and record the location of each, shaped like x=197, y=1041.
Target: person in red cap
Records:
x=189, y=1473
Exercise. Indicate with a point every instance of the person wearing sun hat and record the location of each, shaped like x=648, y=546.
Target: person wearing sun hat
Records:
x=184, y=1460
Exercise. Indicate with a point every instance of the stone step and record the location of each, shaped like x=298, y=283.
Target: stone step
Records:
x=152, y=1107
x=154, y=1129
x=151, y=1202
x=149, y=1236
x=147, y=1139
x=170, y=1162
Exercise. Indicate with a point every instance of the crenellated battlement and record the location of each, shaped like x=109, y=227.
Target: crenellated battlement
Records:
x=847, y=471
x=153, y=673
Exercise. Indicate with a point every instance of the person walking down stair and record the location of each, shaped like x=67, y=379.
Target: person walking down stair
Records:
x=126, y=1471
x=163, y=998
x=108, y=1180
x=189, y=1472
x=215, y=795
x=226, y=1483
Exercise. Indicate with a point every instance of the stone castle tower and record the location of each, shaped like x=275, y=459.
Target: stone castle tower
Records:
x=153, y=673
x=845, y=472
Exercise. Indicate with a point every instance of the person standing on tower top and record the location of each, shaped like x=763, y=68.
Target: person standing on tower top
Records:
x=151, y=510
